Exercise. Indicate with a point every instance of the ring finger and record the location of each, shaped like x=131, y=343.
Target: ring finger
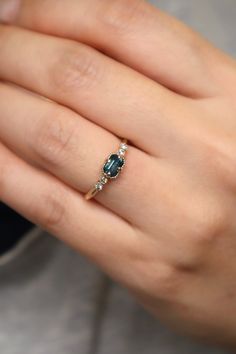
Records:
x=71, y=147
x=54, y=138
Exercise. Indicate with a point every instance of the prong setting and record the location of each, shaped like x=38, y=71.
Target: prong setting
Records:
x=111, y=169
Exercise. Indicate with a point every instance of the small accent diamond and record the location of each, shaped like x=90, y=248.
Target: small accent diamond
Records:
x=104, y=180
x=124, y=146
x=99, y=186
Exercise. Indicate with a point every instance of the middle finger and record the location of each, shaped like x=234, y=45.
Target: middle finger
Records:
x=114, y=96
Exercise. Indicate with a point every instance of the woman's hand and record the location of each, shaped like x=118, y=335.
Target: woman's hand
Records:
x=166, y=227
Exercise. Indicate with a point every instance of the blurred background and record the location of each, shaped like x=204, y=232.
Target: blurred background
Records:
x=215, y=19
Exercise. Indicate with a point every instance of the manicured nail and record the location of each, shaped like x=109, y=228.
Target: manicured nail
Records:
x=9, y=10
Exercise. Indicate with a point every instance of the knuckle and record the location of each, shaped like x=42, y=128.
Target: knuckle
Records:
x=76, y=67
x=204, y=226
x=51, y=209
x=206, y=223
x=52, y=140
x=122, y=15
x=152, y=277
x=164, y=281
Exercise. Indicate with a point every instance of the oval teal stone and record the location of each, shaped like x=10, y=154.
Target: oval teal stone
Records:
x=113, y=165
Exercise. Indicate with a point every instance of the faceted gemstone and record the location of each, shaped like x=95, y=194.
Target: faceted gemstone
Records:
x=113, y=165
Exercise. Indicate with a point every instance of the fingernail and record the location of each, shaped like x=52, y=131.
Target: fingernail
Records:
x=9, y=10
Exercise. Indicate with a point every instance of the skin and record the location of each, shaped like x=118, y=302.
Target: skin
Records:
x=83, y=73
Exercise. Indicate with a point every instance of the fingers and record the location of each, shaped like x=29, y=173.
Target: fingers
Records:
x=72, y=148
x=89, y=228
x=99, y=88
x=133, y=32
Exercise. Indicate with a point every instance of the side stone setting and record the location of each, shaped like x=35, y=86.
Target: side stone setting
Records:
x=113, y=165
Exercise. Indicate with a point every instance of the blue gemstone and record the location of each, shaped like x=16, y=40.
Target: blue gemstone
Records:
x=113, y=165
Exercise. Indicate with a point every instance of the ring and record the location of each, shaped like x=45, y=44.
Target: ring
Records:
x=110, y=170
